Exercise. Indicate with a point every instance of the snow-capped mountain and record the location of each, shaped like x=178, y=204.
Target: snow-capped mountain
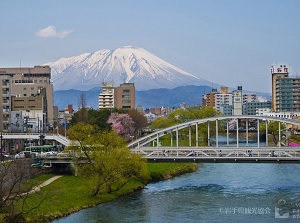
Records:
x=124, y=65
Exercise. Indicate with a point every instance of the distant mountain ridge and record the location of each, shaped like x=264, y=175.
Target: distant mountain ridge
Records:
x=124, y=65
x=190, y=95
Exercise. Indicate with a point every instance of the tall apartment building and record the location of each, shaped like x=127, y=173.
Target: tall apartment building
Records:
x=106, y=98
x=281, y=95
x=117, y=97
x=287, y=96
x=222, y=99
x=209, y=98
x=29, y=91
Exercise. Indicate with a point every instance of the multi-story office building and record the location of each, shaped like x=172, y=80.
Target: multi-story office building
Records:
x=249, y=98
x=29, y=91
x=125, y=96
x=251, y=108
x=117, y=97
x=226, y=109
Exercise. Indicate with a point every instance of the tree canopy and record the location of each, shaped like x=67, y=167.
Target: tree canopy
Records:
x=109, y=162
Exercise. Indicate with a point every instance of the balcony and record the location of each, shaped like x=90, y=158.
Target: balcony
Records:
x=5, y=103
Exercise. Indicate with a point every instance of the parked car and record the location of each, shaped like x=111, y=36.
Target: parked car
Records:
x=20, y=155
x=48, y=154
x=26, y=154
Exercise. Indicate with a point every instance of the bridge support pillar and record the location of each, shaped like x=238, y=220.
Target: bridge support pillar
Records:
x=208, y=134
x=190, y=136
x=217, y=134
x=227, y=135
x=279, y=135
x=177, y=137
x=258, y=133
x=267, y=132
x=197, y=137
x=247, y=133
x=237, y=132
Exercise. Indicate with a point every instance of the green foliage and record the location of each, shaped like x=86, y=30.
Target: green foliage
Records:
x=97, y=118
x=185, y=115
x=162, y=171
x=110, y=163
x=161, y=123
x=140, y=121
x=273, y=127
x=69, y=194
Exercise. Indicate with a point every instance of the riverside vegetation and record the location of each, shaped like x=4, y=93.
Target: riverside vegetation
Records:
x=69, y=194
x=109, y=169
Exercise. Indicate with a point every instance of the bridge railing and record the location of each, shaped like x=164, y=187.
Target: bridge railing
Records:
x=209, y=152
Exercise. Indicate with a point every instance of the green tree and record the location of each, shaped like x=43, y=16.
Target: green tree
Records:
x=161, y=123
x=273, y=128
x=140, y=121
x=110, y=163
x=14, y=192
x=189, y=114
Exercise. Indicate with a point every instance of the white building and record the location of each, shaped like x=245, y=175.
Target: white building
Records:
x=283, y=115
x=222, y=99
x=237, y=101
x=262, y=111
x=106, y=98
x=248, y=98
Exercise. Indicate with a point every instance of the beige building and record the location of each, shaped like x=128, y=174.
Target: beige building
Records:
x=28, y=90
x=117, y=97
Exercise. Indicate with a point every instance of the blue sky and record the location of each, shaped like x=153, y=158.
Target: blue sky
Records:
x=229, y=42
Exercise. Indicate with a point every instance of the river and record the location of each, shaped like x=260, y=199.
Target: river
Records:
x=215, y=193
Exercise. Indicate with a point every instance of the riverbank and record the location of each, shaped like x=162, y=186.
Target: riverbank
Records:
x=70, y=194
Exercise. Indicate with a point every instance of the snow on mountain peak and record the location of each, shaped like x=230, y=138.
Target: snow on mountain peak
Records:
x=126, y=64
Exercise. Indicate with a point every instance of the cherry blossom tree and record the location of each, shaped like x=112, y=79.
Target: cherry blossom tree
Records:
x=122, y=124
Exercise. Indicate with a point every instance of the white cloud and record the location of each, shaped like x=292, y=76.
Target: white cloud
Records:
x=51, y=32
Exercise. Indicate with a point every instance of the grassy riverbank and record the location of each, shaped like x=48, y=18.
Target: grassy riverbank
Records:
x=69, y=194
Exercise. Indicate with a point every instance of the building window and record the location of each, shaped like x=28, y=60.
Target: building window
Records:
x=127, y=90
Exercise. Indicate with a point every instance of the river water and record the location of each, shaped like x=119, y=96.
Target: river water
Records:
x=215, y=193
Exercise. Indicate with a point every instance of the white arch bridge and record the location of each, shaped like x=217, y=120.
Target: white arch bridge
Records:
x=184, y=144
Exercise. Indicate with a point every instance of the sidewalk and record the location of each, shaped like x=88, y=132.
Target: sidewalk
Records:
x=49, y=181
